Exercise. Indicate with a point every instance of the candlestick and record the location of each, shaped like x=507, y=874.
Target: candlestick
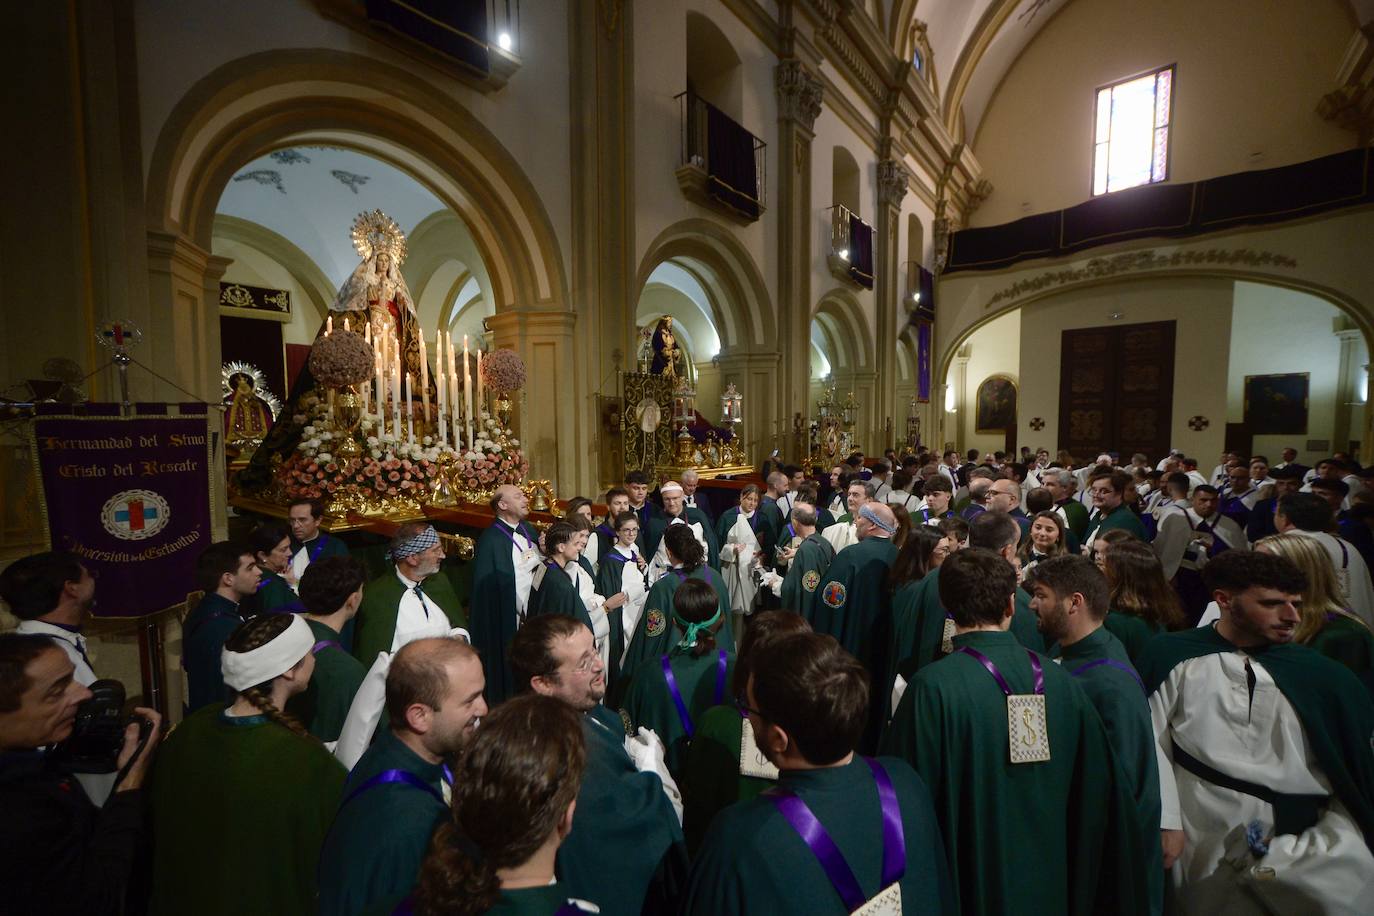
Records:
x=442, y=388
x=479, y=384
x=410, y=413
x=395, y=402
x=329, y=326
x=345, y=322
x=467, y=393
x=424, y=385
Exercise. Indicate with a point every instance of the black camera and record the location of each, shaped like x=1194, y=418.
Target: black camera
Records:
x=98, y=732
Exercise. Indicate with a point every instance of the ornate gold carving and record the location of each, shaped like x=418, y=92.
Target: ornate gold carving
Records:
x=1136, y=262
x=236, y=296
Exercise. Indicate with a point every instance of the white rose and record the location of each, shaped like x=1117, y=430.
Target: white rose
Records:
x=515, y=443
x=427, y=440
x=377, y=453
x=325, y=458
x=372, y=440
x=309, y=430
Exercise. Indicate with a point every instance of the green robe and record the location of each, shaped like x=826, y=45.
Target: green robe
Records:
x=1133, y=631
x=854, y=606
x=625, y=849
x=804, y=575
x=1337, y=715
x=1061, y=836
x=556, y=594
x=321, y=546
x=372, y=857
x=203, y=634
x=240, y=810
x=376, y=618
x=493, y=608
x=534, y=901
x=1121, y=517
x=1077, y=516
x=323, y=706
x=1348, y=642
x=657, y=632
x=649, y=702
x=1119, y=698
x=276, y=597
x=711, y=780
x=754, y=862
x=692, y=515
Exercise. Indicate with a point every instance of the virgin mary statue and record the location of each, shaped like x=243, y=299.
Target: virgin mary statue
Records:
x=375, y=293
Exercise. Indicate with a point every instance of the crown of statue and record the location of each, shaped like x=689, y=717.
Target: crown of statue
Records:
x=376, y=233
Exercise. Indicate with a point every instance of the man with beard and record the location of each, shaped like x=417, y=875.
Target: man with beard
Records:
x=676, y=512
x=414, y=598
x=1069, y=595
x=398, y=792
x=626, y=846
x=1266, y=771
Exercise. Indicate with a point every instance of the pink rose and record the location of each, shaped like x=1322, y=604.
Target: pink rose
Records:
x=393, y=475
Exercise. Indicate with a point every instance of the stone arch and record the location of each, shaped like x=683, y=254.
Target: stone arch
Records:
x=741, y=308
x=713, y=66
x=841, y=316
x=267, y=101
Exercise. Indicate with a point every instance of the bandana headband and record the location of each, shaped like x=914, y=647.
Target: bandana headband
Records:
x=690, y=639
x=669, y=488
x=872, y=516
x=419, y=543
x=242, y=670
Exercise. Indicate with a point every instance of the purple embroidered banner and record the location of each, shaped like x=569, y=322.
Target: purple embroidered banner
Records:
x=924, y=333
x=131, y=498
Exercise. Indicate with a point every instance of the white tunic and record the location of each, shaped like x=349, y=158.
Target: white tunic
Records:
x=74, y=644
x=593, y=550
x=416, y=615
x=524, y=556
x=1351, y=572
x=1178, y=530
x=1206, y=708
x=841, y=535
x=636, y=591
x=601, y=624
x=736, y=559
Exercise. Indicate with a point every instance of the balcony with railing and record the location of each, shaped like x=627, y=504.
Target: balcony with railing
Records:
x=721, y=165
x=851, y=247
x=918, y=296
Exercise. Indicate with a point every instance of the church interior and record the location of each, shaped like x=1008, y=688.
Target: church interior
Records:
x=1087, y=225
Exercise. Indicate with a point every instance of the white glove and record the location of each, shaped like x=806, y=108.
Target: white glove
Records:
x=773, y=580
x=646, y=750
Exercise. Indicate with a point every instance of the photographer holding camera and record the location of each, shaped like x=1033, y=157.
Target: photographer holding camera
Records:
x=59, y=853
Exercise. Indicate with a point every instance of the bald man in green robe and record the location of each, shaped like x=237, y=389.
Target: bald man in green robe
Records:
x=1070, y=596
x=1035, y=813
x=853, y=595
x=807, y=563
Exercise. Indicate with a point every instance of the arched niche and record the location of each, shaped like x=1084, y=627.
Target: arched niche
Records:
x=713, y=66
x=844, y=179
x=915, y=239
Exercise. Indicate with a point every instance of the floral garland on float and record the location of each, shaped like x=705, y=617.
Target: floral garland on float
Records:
x=369, y=448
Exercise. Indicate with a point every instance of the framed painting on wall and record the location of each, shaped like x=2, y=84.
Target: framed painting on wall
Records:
x=1277, y=404
x=996, y=405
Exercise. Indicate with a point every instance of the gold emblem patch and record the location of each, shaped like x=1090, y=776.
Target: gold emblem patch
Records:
x=625, y=721
x=811, y=580
x=655, y=623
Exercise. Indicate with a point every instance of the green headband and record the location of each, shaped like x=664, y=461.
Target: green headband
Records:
x=690, y=640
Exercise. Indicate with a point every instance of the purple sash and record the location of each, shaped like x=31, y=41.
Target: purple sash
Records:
x=393, y=777
x=997, y=675
x=501, y=526
x=814, y=834
x=319, y=548
x=1115, y=664
x=682, y=713
x=324, y=644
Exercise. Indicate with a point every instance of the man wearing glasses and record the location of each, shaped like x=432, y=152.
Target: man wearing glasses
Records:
x=839, y=829
x=626, y=848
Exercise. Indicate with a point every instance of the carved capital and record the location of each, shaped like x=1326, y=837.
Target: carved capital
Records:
x=892, y=182
x=941, y=229
x=799, y=93
x=974, y=195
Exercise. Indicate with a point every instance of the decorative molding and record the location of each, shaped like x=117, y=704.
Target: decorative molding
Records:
x=799, y=92
x=1037, y=423
x=1137, y=262
x=974, y=195
x=892, y=182
x=1198, y=423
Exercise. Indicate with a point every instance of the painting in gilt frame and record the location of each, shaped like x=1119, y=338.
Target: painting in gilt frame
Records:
x=1276, y=404
x=996, y=404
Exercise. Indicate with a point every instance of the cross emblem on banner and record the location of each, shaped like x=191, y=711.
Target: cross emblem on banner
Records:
x=135, y=514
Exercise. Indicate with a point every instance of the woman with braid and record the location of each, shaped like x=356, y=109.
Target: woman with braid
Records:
x=513, y=801
x=242, y=795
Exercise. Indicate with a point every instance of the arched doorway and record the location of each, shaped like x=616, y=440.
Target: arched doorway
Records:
x=261, y=103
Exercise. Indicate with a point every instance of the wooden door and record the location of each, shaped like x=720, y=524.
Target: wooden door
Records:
x=1116, y=390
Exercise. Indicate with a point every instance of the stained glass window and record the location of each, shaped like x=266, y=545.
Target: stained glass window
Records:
x=1131, y=135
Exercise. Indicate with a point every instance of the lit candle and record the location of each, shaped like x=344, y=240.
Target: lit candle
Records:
x=424, y=384
x=329, y=326
x=410, y=413
x=442, y=387
x=381, y=396
x=345, y=322
x=331, y=405
x=479, y=384
x=395, y=401
x=467, y=392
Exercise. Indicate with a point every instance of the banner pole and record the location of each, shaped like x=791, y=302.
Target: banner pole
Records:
x=151, y=661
